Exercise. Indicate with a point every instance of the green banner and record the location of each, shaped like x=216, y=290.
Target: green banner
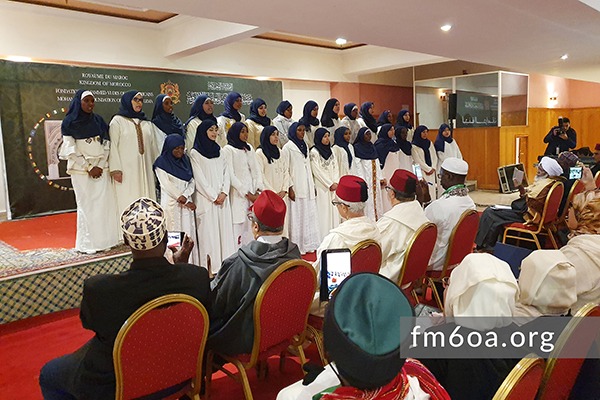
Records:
x=35, y=97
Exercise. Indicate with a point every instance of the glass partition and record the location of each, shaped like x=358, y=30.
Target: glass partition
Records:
x=514, y=89
x=431, y=102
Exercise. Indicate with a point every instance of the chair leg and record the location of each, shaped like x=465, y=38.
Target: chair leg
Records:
x=319, y=343
x=552, y=239
x=415, y=296
x=302, y=358
x=244, y=378
x=436, y=295
x=208, y=378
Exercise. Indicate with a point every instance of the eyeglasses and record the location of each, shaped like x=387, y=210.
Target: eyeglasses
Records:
x=338, y=203
x=138, y=99
x=250, y=217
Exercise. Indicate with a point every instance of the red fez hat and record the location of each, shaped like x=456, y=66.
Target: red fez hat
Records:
x=352, y=188
x=597, y=148
x=269, y=209
x=403, y=181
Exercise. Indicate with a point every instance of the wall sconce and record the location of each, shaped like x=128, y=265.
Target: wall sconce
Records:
x=553, y=98
x=443, y=97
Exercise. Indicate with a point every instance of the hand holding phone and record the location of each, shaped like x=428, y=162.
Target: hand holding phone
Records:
x=335, y=267
x=417, y=171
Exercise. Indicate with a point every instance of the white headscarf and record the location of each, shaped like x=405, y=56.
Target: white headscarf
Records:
x=482, y=286
x=547, y=283
x=551, y=166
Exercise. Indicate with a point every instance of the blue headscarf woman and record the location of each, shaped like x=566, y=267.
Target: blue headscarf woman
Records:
x=282, y=107
x=270, y=150
x=203, y=144
x=401, y=138
x=348, y=110
x=403, y=115
x=340, y=140
x=329, y=115
x=384, y=118
x=233, y=136
x=80, y=124
x=423, y=143
x=293, y=137
x=126, y=108
x=367, y=117
x=324, y=150
x=197, y=110
x=230, y=106
x=308, y=119
x=255, y=115
x=164, y=118
x=384, y=144
x=441, y=140
x=363, y=147
x=179, y=167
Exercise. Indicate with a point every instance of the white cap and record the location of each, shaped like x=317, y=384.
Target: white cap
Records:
x=456, y=166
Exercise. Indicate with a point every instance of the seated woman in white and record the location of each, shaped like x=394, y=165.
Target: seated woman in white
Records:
x=257, y=121
x=310, y=121
x=330, y=119
x=367, y=167
x=202, y=109
x=325, y=171
x=445, y=145
x=423, y=152
x=349, y=121
x=283, y=120
x=366, y=118
x=164, y=120
x=387, y=151
x=232, y=104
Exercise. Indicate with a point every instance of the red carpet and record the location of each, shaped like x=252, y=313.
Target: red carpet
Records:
x=27, y=345
x=52, y=231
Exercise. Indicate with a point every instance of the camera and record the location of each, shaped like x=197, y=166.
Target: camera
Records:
x=559, y=130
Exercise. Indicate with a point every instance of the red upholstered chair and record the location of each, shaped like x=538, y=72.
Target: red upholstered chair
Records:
x=160, y=346
x=523, y=381
x=577, y=187
x=548, y=221
x=280, y=313
x=366, y=256
x=597, y=179
x=416, y=258
x=561, y=373
x=460, y=244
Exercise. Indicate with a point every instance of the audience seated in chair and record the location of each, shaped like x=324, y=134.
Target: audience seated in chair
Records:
x=109, y=300
x=398, y=225
x=584, y=214
x=445, y=212
x=236, y=286
x=528, y=208
x=583, y=252
x=363, y=341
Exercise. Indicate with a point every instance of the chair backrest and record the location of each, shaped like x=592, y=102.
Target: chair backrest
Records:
x=560, y=373
x=282, y=305
x=523, y=382
x=462, y=240
x=366, y=256
x=577, y=187
x=597, y=179
x=418, y=253
x=160, y=345
x=552, y=204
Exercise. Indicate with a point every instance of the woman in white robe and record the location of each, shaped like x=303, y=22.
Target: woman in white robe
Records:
x=304, y=230
x=366, y=118
x=423, y=153
x=387, y=151
x=211, y=176
x=367, y=167
x=405, y=159
x=257, y=121
x=164, y=120
x=310, y=121
x=132, y=152
x=445, y=145
x=202, y=109
x=403, y=120
x=232, y=104
x=246, y=180
x=325, y=172
x=283, y=121
x=85, y=147
x=174, y=172
x=330, y=119
x=274, y=168
x=349, y=120
x=343, y=151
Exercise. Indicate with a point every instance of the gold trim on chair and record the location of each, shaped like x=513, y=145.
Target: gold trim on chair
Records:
x=137, y=315
x=523, y=367
x=363, y=244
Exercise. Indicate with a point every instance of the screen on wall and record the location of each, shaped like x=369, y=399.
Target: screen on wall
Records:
x=35, y=97
x=474, y=110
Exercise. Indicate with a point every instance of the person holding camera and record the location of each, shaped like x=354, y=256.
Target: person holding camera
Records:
x=560, y=138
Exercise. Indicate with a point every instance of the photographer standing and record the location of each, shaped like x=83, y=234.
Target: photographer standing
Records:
x=560, y=138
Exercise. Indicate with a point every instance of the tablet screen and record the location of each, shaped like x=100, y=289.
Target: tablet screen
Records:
x=335, y=267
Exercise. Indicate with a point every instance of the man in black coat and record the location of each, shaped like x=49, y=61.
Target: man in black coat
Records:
x=560, y=138
x=240, y=277
x=109, y=300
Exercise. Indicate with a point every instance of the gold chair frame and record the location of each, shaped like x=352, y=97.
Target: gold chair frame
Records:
x=363, y=244
x=597, y=179
x=515, y=376
x=169, y=299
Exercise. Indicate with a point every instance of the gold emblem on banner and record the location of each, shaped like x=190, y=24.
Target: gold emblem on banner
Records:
x=170, y=89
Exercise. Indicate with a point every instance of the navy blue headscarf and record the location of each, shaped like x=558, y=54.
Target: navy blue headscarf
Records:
x=270, y=150
x=254, y=116
x=367, y=117
x=233, y=136
x=338, y=140
x=203, y=144
x=294, y=138
x=383, y=118
x=231, y=112
x=441, y=140
x=178, y=167
x=328, y=114
x=422, y=143
x=168, y=123
x=404, y=144
x=197, y=110
x=307, y=119
x=323, y=149
x=126, y=109
x=81, y=125
x=348, y=110
x=401, y=122
x=384, y=144
x=364, y=148
x=284, y=105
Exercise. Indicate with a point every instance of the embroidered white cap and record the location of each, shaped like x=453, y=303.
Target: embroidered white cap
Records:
x=456, y=166
x=143, y=224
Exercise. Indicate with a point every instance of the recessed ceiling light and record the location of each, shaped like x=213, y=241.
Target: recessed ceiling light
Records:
x=446, y=27
x=340, y=41
x=564, y=57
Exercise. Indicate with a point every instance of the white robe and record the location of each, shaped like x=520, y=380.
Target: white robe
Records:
x=304, y=230
x=190, y=134
x=276, y=177
x=309, y=137
x=332, y=129
x=245, y=178
x=178, y=218
x=405, y=162
x=392, y=163
x=138, y=174
x=398, y=227
x=450, y=150
x=370, y=171
x=97, y=227
x=224, y=123
x=325, y=173
x=445, y=213
x=583, y=251
x=351, y=124
x=254, y=131
x=283, y=125
x=215, y=229
x=159, y=138
x=342, y=161
x=419, y=157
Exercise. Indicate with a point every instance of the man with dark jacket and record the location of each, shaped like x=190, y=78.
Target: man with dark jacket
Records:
x=109, y=300
x=236, y=286
x=560, y=138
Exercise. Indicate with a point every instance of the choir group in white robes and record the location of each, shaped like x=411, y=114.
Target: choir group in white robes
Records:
x=256, y=121
x=389, y=158
x=232, y=105
x=330, y=119
x=366, y=119
x=349, y=120
x=367, y=167
x=164, y=120
x=343, y=151
x=424, y=155
x=202, y=108
x=445, y=145
x=310, y=121
x=283, y=121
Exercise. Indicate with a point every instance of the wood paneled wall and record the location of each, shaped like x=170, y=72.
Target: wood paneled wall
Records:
x=480, y=147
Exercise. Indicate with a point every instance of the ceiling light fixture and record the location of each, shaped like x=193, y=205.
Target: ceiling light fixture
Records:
x=446, y=27
x=564, y=57
x=340, y=41
x=18, y=58
x=262, y=78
